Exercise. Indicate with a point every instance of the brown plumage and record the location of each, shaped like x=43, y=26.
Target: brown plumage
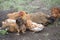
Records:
x=39, y=17
x=20, y=22
x=11, y=22
x=13, y=15
x=26, y=18
x=55, y=12
x=29, y=24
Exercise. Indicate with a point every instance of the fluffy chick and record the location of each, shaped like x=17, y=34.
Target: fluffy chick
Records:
x=11, y=25
x=36, y=27
x=26, y=18
x=20, y=22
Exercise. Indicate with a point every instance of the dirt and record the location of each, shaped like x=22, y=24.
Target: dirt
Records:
x=50, y=32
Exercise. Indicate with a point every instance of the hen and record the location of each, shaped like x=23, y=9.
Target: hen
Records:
x=39, y=17
x=29, y=24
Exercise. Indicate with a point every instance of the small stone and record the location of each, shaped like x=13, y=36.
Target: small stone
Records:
x=39, y=39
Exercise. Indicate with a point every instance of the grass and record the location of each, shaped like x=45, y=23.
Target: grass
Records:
x=24, y=4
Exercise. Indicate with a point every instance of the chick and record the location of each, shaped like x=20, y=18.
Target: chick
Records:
x=26, y=18
x=11, y=24
x=36, y=27
x=20, y=22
